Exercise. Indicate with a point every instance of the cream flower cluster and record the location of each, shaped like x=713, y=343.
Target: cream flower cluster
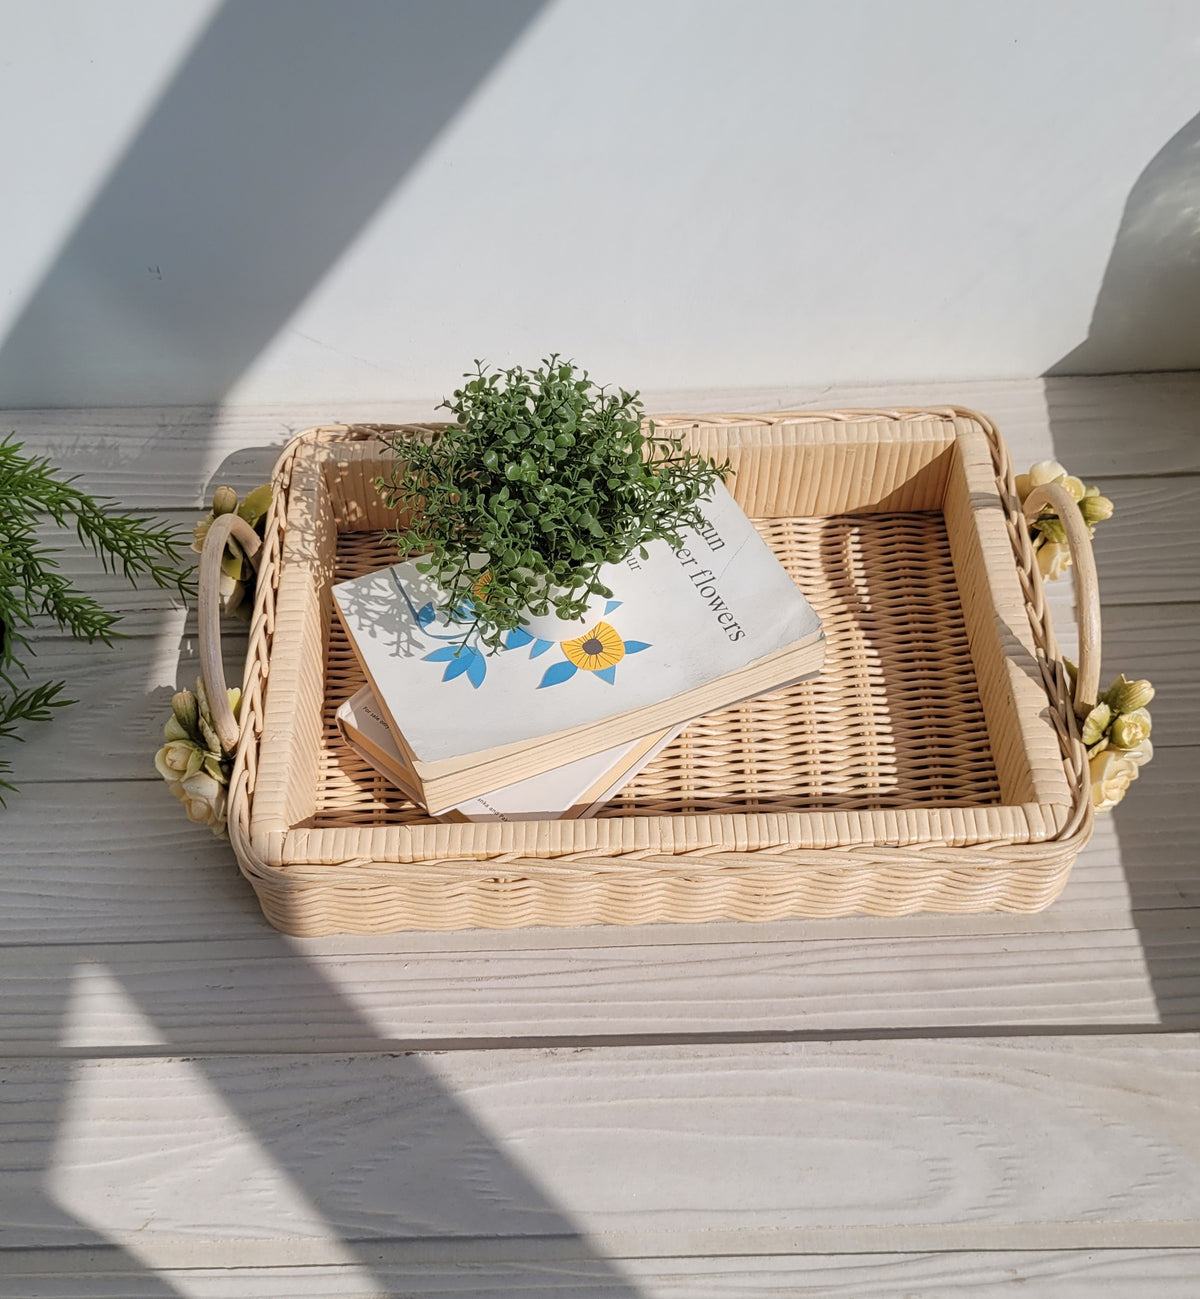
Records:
x=1049, y=535
x=192, y=761
x=237, y=573
x=1117, y=735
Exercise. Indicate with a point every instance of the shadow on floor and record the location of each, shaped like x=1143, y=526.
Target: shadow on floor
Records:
x=374, y=1144
x=1147, y=318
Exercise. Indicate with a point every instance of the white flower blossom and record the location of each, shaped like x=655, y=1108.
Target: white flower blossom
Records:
x=1053, y=559
x=1112, y=772
x=204, y=799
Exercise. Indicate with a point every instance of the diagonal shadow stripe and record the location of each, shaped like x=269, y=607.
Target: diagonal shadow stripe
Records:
x=287, y=126
x=1147, y=312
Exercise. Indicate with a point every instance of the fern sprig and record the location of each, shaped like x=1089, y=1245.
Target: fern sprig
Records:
x=31, y=704
x=33, y=586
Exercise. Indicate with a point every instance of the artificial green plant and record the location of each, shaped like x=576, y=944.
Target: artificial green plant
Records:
x=542, y=479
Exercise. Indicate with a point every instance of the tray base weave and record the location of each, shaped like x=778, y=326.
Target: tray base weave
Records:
x=895, y=719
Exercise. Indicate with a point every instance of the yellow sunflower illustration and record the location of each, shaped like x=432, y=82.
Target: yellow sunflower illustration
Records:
x=602, y=647
x=480, y=589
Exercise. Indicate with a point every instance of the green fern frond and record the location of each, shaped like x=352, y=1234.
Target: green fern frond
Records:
x=32, y=585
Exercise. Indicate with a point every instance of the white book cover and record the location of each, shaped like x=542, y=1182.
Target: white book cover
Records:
x=586, y=784
x=677, y=620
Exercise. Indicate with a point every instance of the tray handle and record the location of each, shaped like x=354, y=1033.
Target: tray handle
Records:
x=212, y=670
x=1087, y=586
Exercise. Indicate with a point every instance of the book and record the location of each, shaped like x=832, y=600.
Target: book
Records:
x=686, y=632
x=570, y=792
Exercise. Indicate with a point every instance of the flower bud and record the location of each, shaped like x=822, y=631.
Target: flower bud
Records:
x=1130, y=729
x=224, y=501
x=1128, y=696
x=186, y=709
x=1096, y=723
x=1094, y=507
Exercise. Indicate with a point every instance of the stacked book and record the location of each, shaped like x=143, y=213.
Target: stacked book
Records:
x=545, y=728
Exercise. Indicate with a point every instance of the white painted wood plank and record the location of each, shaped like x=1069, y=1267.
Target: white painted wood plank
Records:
x=1153, y=835
x=1126, y=424
x=845, y=1147
x=1146, y=556
x=264, y=995
x=123, y=700
x=1060, y=1274
x=170, y=456
x=114, y=861
x=1161, y=642
x=159, y=457
x=1158, y=641
x=1149, y=551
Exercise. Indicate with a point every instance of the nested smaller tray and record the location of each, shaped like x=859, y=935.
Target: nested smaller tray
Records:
x=934, y=765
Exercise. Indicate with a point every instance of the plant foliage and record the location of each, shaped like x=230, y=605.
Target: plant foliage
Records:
x=32, y=586
x=542, y=479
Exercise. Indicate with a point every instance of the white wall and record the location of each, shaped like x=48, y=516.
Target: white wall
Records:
x=345, y=200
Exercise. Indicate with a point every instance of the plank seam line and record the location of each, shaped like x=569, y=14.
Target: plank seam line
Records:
x=924, y=1238
x=384, y=1047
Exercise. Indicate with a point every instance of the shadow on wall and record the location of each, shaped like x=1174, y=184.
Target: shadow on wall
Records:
x=1147, y=314
x=287, y=126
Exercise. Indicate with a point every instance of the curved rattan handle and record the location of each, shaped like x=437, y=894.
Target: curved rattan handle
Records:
x=212, y=670
x=1087, y=586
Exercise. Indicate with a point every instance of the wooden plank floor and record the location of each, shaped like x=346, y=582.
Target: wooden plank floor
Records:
x=193, y=1104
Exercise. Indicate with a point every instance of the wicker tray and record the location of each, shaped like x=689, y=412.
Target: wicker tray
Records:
x=935, y=765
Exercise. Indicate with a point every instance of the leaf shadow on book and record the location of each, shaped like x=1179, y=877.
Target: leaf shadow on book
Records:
x=371, y=608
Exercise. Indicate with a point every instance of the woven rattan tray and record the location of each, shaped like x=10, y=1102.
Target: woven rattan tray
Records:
x=935, y=765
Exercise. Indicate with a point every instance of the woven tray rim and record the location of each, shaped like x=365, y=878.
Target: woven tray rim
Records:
x=1051, y=847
